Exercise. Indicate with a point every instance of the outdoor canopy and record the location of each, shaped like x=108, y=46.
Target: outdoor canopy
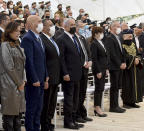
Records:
x=99, y=9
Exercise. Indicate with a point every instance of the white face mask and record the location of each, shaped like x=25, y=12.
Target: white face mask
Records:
x=11, y=6
x=1, y=5
x=52, y=30
x=39, y=27
x=101, y=36
x=118, y=31
x=21, y=16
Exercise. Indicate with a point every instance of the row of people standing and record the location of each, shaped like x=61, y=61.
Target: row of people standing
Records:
x=64, y=59
x=42, y=59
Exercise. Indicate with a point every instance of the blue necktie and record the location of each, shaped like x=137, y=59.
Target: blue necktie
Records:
x=39, y=40
x=76, y=43
x=55, y=45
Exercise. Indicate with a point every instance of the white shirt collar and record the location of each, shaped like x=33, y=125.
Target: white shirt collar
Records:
x=47, y=36
x=36, y=35
x=1, y=29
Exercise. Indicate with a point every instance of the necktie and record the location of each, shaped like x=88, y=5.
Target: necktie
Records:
x=119, y=43
x=39, y=40
x=84, y=50
x=76, y=43
x=55, y=45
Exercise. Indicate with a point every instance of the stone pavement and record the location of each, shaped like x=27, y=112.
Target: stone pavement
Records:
x=132, y=120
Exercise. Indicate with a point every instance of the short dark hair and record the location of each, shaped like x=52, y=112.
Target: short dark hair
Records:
x=96, y=30
x=59, y=5
x=10, y=28
x=47, y=11
x=34, y=3
x=2, y=17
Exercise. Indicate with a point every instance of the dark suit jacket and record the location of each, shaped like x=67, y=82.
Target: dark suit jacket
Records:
x=0, y=36
x=116, y=56
x=99, y=57
x=87, y=47
x=58, y=33
x=70, y=58
x=35, y=59
x=52, y=61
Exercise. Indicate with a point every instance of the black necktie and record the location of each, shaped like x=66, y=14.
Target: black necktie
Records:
x=76, y=43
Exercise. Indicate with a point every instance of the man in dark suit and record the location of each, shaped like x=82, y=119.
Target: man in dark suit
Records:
x=117, y=64
x=36, y=72
x=60, y=31
x=86, y=62
x=53, y=67
x=72, y=71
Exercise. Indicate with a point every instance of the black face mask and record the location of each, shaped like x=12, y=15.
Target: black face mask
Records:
x=42, y=6
x=127, y=42
x=60, y=9
x=47, y=17
x=22, y=31
x=72, y=30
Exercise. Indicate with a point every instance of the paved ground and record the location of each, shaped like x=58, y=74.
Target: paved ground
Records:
x=132, y=120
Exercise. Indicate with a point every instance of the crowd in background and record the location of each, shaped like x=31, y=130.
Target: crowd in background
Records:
x=41, y=49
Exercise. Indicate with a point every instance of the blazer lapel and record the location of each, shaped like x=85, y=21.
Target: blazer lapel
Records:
x=48, y=42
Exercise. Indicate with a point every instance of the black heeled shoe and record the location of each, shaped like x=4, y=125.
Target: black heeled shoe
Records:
x=100, y=115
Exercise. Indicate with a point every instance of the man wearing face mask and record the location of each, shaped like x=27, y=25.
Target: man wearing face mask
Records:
x=71, y=64
x=41, y=10
x=48, y=7
x=36, y=71
x=60, y=12
x=81, y=13
x=117, y=64
x=87, y=62
x=46, y=15
x=53, y=67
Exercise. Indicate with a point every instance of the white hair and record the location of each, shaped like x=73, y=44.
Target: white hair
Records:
x=67, y=21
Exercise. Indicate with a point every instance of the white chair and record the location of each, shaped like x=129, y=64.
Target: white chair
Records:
x=59, y=101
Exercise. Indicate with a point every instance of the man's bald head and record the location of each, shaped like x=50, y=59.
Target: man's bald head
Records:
x=33, y=21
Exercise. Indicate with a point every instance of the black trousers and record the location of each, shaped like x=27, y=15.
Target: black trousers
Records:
x=49, y=105
x=71, y=100
x=116, y=84
x=99, y=88
x=11, y=123
x=82, y=112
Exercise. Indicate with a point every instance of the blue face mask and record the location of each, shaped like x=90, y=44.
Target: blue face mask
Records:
x=86, y=27
x=81, y=31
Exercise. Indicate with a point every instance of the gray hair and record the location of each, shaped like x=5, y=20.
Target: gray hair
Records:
x=66, y=21
x=114, y=23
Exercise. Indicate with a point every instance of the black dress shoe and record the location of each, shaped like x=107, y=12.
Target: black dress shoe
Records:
x=134, y=105
x=87, y=119
x=100, y=115
x=79, y=125
x=126, y=106
x=71, y=126
x=117, y=110
x=80, y=120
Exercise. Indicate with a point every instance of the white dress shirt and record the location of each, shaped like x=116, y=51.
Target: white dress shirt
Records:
x=137, y=42
x=101, y=43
